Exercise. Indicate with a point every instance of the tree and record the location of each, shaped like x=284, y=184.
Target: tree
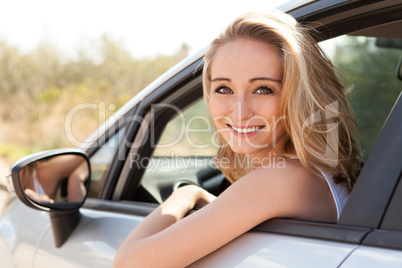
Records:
x=369, y=70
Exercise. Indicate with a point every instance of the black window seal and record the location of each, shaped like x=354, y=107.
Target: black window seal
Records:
x=123, y=207
x=311, y=229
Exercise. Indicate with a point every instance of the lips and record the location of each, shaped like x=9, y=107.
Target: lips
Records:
x=246, y=130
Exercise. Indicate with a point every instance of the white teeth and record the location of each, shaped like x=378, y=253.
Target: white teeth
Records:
x=246, y=130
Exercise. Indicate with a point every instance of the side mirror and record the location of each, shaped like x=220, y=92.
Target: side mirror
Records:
x=56, y=181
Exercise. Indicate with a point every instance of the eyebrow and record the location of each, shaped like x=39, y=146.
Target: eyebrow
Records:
x=221, y=79
x=265, y=78
x=251, y=80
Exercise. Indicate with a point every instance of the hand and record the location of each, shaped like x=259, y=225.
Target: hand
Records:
x=41, y=198
x=188, y=198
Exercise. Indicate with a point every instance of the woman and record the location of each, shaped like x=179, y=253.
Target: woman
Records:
x=286, y=144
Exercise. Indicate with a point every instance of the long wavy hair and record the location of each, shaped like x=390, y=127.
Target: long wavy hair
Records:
x=317, y=117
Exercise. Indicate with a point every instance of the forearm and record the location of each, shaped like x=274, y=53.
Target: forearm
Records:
x=75, y=187
x=171, y=211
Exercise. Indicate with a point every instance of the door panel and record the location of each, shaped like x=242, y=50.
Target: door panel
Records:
x=99, y=235
x=93, y=243
x=373, y=257
x=21, y=229
x=256, y=249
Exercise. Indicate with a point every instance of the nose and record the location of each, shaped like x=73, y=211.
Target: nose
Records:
x=242, y=109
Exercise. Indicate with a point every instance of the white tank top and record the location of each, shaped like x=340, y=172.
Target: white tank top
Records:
x=339, y=191
x=37, y=186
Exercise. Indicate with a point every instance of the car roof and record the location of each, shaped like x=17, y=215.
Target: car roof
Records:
x=292, y=5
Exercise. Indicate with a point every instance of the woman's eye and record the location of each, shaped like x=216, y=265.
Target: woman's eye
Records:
x=263, y=91
x=223, y=90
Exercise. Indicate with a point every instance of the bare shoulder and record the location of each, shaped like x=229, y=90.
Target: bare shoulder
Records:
x=289, y=187
x=283, y=171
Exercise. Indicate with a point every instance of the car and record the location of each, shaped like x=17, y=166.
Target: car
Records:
x=161, y=140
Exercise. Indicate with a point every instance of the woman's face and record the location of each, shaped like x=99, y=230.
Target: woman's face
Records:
x=246, y=77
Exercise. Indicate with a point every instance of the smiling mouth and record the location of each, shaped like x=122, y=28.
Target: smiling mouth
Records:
x=246, y=130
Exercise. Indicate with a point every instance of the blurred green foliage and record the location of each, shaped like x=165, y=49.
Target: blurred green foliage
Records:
x=38, y=88
x=369, y=71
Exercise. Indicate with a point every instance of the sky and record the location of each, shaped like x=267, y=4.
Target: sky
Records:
x=145, y=28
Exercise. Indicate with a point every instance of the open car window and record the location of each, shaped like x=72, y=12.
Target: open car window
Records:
x=186, y=147
x=367, y=66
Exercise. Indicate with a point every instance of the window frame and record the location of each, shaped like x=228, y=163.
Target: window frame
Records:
x=182, y=89
x=102, y=140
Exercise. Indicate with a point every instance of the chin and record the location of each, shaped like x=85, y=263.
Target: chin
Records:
x=242, y=150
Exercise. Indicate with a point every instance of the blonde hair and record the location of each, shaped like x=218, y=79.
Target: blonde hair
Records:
x=312, y=99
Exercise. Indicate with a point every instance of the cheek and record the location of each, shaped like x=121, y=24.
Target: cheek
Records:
x=217, y=108
x=269, y=109
x=276, y=121
x=211, y=106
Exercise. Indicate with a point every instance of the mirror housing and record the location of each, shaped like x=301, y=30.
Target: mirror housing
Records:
x=56, y=181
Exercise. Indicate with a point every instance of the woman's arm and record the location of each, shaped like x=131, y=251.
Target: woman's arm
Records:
x=171, y=211
x=51, y=172
x=166, y=239
x=76, y=190
x=41, y=198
